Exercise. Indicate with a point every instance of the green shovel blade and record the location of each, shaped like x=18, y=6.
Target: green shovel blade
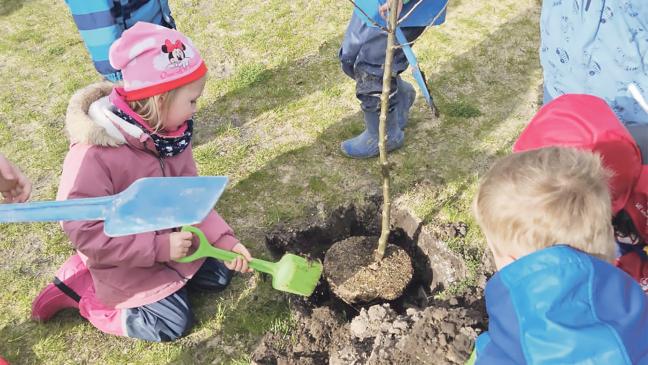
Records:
x=295, y=274
x=292, y=274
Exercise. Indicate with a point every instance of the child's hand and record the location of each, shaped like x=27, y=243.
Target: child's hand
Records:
x=14, y=186
x=180, y=243
x=240, y=264
x=384, y=8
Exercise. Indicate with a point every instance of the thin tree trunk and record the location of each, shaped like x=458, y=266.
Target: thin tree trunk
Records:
x=382, y=135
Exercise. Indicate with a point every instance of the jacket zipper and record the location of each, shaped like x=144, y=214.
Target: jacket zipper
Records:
x=161, y=160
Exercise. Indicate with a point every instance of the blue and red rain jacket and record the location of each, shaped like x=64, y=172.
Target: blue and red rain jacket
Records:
x=562, y=306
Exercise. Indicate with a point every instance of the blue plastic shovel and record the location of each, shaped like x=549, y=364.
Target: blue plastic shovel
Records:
x=428, y=12
x=149, y=204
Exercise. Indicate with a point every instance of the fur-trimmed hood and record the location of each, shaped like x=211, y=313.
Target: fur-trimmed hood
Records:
x=90, y=120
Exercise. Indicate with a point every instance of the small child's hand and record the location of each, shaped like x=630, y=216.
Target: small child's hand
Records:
x=14, y=186
x=384, y=8
x=240, y=264
x=180, y=243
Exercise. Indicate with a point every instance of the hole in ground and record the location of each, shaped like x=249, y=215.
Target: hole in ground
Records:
x=314, y=239
x=415, y=328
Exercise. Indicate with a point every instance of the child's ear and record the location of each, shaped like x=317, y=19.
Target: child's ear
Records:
x=160, y=101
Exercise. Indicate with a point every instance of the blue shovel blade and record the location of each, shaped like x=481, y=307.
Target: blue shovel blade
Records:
x=153, y=204
x=148, y=204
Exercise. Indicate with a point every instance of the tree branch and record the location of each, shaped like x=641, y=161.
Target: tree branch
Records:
x=382, y=131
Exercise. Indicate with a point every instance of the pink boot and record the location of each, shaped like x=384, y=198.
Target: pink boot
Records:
x=72, y=280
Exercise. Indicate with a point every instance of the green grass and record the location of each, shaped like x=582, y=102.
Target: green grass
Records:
x=273, y=114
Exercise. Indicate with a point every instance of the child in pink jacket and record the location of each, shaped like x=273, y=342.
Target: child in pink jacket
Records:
x=131, y=285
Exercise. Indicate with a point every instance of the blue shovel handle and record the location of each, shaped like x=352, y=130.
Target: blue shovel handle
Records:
x=416, y=71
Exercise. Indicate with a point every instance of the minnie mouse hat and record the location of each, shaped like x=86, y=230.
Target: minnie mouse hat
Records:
x=154, y=59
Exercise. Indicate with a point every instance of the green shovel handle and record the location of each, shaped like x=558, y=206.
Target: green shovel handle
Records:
x=205, y=249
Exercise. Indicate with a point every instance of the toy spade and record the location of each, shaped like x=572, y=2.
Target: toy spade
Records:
x=292, y=274
x=428, y=12
x=149, y=204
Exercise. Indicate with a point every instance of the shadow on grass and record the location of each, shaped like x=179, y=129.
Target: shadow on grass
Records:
x=447, y=151
x=277, y=87
x=20, y=342
x=9, y=6
x=17, y=342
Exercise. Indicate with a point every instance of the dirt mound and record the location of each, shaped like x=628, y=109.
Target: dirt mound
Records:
x=308, y=343
x=443, y=333
x=416, y=328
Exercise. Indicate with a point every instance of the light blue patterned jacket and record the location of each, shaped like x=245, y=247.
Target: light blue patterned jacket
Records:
x=596, y=47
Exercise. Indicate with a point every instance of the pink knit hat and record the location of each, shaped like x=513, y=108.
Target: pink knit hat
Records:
x=154, y=59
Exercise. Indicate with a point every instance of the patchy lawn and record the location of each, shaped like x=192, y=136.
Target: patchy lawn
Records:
x=273, y=114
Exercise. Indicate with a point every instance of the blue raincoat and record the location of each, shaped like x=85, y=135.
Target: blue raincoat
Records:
x=562, y=306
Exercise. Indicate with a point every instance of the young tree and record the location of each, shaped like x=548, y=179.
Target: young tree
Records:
x=382, y=135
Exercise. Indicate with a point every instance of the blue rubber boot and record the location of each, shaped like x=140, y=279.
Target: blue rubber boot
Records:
x=406, y=97
x=365, y=145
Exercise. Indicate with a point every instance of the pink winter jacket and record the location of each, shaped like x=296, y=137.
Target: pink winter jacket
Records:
x=106, y=155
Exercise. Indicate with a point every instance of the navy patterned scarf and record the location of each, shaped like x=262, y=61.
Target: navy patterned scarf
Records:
x=166, y=146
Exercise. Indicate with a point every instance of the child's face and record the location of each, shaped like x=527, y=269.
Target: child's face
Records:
x=183, y=105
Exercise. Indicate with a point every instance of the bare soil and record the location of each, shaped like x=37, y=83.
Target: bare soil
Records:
x=354, y=275
x=416, y=328
x=443, y=333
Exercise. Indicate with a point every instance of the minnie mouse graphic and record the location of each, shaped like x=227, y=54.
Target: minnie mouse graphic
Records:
x=177, y=57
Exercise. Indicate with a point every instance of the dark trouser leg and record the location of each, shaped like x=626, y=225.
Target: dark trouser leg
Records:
x=171, y=317
x=369, y=66
x=362, y=57
x=164, y=320
x=212, y=276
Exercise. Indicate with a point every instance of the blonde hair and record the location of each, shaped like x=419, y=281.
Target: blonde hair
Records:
x=535, y=199
x=151, y=108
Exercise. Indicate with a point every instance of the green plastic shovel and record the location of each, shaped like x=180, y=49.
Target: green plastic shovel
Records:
x=292, y=274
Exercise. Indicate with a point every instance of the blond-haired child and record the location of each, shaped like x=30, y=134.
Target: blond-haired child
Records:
x=555, y=299
x=132, y=285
